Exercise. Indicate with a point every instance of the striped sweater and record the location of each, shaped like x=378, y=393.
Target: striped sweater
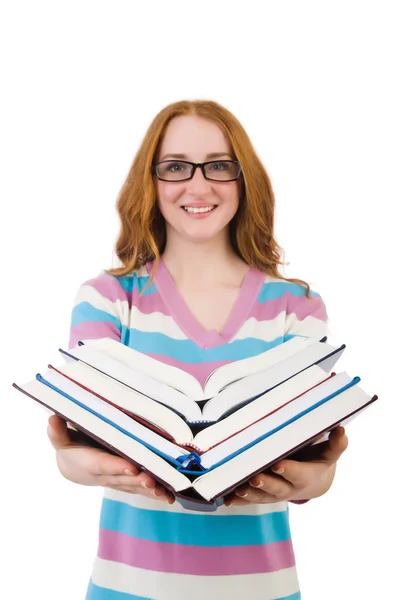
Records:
x=151, y=550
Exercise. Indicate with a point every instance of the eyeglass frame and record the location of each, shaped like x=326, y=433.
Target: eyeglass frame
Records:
x=195, y=165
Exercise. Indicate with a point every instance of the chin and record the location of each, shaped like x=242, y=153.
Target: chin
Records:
x=206, y=237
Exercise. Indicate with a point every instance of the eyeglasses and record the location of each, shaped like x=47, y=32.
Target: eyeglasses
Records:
x=182, y=170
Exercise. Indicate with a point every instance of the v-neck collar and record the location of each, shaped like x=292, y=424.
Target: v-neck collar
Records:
x=188, y=323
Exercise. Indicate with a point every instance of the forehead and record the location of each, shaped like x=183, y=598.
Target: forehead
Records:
x=194, y=136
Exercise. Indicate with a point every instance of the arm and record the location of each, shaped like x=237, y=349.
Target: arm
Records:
x=292, y=480
x=101, y=309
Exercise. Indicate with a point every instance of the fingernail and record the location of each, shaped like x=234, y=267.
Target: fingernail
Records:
x=143, y=484
x=128, y=472
x=258, y=485
x=242, y=494
x=278, y=471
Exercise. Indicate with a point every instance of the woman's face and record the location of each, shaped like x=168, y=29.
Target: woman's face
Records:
x=198, y=140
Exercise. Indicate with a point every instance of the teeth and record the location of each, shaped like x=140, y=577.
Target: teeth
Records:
x=192, y=210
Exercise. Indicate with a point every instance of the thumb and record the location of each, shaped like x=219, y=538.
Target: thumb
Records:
x=57, y=432
x=337, y=444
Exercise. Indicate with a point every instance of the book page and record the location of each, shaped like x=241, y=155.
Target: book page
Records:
x=172, y=376
x=225, y=375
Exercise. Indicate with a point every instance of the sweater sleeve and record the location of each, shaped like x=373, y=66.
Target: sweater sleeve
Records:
x=100, y=309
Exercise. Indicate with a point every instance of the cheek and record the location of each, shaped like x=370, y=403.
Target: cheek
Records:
x=168, y=195
x=230, y=199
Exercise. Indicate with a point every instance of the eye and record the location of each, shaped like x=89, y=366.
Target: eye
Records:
x=219, y=166
x=175, y=167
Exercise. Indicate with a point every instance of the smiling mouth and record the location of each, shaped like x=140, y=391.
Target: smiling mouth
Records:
x=204, y=209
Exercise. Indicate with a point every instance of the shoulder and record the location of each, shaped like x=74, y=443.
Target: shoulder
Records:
x=304, y=315
x=102, y=306
x=113, y=288
x=287, y=300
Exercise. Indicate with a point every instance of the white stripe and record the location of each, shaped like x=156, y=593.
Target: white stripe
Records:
x=309, y=326
x=171, y=586
x=271, y=279
x=266, y=330
x=139, y=501
x=155, y=322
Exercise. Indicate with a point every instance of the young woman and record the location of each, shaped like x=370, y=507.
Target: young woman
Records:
x=199, y=287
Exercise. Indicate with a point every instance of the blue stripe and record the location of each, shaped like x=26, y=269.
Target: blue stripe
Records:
x=129, y=282
x=193, y=529
x=289, y=336
x=84, y=312
x=99, y=593
x=95, y=592
x=187, y=351
x=275, y=290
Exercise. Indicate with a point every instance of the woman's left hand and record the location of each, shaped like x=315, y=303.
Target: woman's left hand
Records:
x=295, y=480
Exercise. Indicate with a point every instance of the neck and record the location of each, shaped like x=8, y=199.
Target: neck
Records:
x=209, y=262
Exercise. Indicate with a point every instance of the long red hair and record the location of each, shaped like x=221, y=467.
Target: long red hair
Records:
x=142, y=235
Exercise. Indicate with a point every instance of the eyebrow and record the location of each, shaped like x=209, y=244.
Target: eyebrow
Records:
x=210, y=155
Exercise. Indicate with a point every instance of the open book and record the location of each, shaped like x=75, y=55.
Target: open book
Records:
x=207, y=482
x=141, y=409
x=154, y=423
x=227, y=388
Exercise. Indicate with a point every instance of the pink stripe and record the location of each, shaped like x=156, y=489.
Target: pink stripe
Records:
x=304, y=307
x=147, y=304
x=92, y=330
x=108, y=287
x=194, y=560
x=301, y=306
x=111, y=289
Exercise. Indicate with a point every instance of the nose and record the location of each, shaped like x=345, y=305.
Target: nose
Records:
x=198, y=183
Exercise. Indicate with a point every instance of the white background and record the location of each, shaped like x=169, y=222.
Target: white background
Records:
x=313, y=85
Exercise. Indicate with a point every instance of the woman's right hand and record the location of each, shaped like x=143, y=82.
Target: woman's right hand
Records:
x=91, y=466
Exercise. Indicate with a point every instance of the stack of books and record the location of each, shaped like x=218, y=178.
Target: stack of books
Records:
x=201, y=443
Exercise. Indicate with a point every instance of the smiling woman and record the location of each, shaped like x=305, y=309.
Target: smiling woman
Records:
x=198, y=287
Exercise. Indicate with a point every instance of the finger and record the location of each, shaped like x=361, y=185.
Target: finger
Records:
x=337, y=444
x=235, y=501
x=168, y=498
x=273, y=485
x=256, y=496
x=132, y=485
x=107, y=464
x=265, y=498
x=139, y=481
x=123, y=484
x=57, y=432
x=299, y=474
